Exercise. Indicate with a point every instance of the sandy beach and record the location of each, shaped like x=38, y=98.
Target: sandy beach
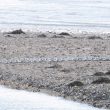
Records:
x=82, y=81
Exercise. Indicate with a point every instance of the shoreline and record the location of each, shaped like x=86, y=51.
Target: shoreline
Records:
x=57, y=29
x=86, y=82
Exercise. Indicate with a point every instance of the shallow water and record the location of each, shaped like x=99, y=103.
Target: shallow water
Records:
x=77, y=14
x=22, y=100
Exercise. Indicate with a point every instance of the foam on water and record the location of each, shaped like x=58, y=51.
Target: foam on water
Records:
x=22, y=100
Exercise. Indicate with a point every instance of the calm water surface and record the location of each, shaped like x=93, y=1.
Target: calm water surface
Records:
x=77, y=14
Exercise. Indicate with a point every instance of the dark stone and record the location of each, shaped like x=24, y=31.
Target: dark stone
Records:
x=94, y=37
x=101, y=80
x=99, y=74
x=75, y=83
x=58, y=36
x=17, y=32
x=107, y=73
x=65, y=34
x=42, y=36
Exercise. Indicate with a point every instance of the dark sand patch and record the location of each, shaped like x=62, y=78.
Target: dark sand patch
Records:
x=75, y=83
x=94, y=37
x=64, y=33
x=99, y=74
x=66, y=70
x=101, y=80
x=55, y=66
x=42, y=36
x=107, y=73
x=58, y=36
x=17, y=32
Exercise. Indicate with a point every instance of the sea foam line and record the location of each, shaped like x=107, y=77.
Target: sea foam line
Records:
x=55, y=59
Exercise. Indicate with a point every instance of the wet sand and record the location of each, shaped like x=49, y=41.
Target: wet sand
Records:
x=82, y=81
